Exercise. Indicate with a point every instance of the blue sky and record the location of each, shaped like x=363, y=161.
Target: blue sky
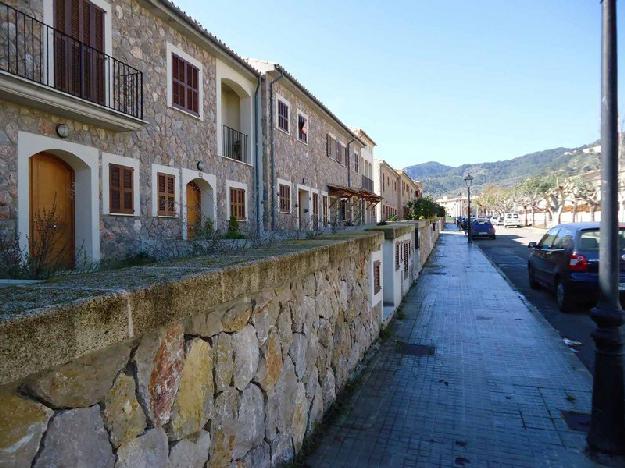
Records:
x=452, y=81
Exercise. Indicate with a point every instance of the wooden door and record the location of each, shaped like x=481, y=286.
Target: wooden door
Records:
x=194, y=209
x=51, y=237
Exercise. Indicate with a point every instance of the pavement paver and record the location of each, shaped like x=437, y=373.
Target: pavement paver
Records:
x=492, y=394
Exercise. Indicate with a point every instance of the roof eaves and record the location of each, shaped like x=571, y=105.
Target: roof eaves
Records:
x=194, y=24
x=312, y=97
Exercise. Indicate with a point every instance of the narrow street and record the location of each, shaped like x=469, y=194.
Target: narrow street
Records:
x=470, y=375
x=510, y=253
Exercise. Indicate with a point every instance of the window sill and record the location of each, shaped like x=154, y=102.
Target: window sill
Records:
x=167, y=216
x=199, y=117
x=238, y=161
x=303, y=142
x=123, y=215
x=283, y=131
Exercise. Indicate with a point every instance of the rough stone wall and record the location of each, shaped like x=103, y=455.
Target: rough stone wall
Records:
x=171, y=138
x=243, y=382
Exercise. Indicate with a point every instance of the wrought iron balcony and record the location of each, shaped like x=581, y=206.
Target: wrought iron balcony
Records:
x=234, y=144
x=367, y=183
x=31, y=50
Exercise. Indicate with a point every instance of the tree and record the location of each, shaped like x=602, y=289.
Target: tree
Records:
x=423, y=208
x=532, y=192
x=586, y=191
x=558, y=189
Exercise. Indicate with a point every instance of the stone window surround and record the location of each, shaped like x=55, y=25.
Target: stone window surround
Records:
x=48, y=18
x=303, y=114
x=187, y=175
x=285, y=182
x=156, y=168
x=279, y=97
x=85, y=162
x=107, y=160
x=237, y=185
x=172, y=49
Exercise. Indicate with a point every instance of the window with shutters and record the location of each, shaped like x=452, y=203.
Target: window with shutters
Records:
x=339, y=152
x=302, y=127
x=185, y=85
x=121, y=188
x=329, y=145
x=315, y=207
x=356, y=162
x=166, y=194
x=79, y=49
x=285, y=198
x=237, y=203
x=324, y=209
x=283, y=115
x=377, y=284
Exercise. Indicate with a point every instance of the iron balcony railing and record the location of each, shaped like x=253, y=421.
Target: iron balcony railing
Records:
x=234, y=144
x=367, y=183
x=32, y=50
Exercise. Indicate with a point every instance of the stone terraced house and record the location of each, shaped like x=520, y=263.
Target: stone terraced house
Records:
x=313, y=167
x=386, y=182
x=124, y=122
x=409, y=190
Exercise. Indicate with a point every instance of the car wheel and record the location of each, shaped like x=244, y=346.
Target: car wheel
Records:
x=532, y=278
x=563, y=297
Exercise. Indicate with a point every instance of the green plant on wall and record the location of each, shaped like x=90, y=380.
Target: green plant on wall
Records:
x=424, y=208
x=234, y=231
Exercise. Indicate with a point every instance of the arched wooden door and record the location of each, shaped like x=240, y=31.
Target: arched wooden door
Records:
x=194, y=209
x=51, y=239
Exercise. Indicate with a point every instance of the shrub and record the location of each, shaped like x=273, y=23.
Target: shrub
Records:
x=234, y=231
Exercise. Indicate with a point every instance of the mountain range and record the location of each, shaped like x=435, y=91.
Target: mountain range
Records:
x=440, y=179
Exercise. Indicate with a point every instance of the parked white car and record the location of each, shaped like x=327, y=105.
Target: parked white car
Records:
x=512, y=219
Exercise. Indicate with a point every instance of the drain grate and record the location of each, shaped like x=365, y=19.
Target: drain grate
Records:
x=576, y=421
x=412, y=349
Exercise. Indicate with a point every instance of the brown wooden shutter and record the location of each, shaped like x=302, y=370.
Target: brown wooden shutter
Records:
x=114, y=189
x=128, y=202
x=162, y=194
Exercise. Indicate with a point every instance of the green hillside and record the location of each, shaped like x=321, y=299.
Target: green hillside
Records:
x=440, y=179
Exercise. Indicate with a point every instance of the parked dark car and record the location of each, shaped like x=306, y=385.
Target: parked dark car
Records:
x=482, y=228
x=566, y=261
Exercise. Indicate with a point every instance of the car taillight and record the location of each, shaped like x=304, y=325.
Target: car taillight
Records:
x=577, y=262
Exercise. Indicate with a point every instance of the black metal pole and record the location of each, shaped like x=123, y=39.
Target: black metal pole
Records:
x=607, y=426
x=469, y=214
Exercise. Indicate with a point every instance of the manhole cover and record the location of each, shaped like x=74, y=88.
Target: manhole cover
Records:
x=576, y=421
x=412, y=349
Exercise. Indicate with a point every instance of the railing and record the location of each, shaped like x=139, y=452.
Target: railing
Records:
x=234, y=144
x=42, y=54
x=367, y=183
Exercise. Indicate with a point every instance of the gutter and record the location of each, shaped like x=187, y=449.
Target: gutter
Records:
x=257, y=164
x=272, y=156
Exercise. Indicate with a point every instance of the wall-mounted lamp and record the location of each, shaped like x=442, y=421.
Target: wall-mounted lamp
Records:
x=62, y=130
x=200, y=166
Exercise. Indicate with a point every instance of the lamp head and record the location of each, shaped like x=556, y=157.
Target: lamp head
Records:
x=468, y=180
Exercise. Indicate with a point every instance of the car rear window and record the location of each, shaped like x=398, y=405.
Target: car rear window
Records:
x=589, y=239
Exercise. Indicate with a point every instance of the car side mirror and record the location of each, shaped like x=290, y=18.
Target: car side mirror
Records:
x=532, y=245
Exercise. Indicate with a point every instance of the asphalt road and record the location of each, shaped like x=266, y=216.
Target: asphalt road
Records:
x=510, y=253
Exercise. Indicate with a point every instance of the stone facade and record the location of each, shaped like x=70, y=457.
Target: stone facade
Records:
x=387, y=185
x=140, y=33
x=304, y=166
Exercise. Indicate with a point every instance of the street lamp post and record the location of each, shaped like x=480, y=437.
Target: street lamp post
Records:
x=607, y=425
x=468, y=180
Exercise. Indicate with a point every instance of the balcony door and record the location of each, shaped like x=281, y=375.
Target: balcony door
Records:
x=79, y=58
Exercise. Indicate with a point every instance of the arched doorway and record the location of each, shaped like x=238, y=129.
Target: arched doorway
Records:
x=52, y=218
x=194, y=209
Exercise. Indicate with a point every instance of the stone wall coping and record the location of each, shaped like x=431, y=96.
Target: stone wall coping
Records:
x=50, y=323
x=393, y=230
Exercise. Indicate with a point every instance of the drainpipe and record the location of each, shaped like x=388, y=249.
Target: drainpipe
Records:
x=257, y=160
x=273, y=166
x=348, y=163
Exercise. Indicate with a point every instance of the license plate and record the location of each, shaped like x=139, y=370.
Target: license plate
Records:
x=621, y=286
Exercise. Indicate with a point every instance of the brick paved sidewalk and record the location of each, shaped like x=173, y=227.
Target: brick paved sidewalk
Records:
x=492, y=394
